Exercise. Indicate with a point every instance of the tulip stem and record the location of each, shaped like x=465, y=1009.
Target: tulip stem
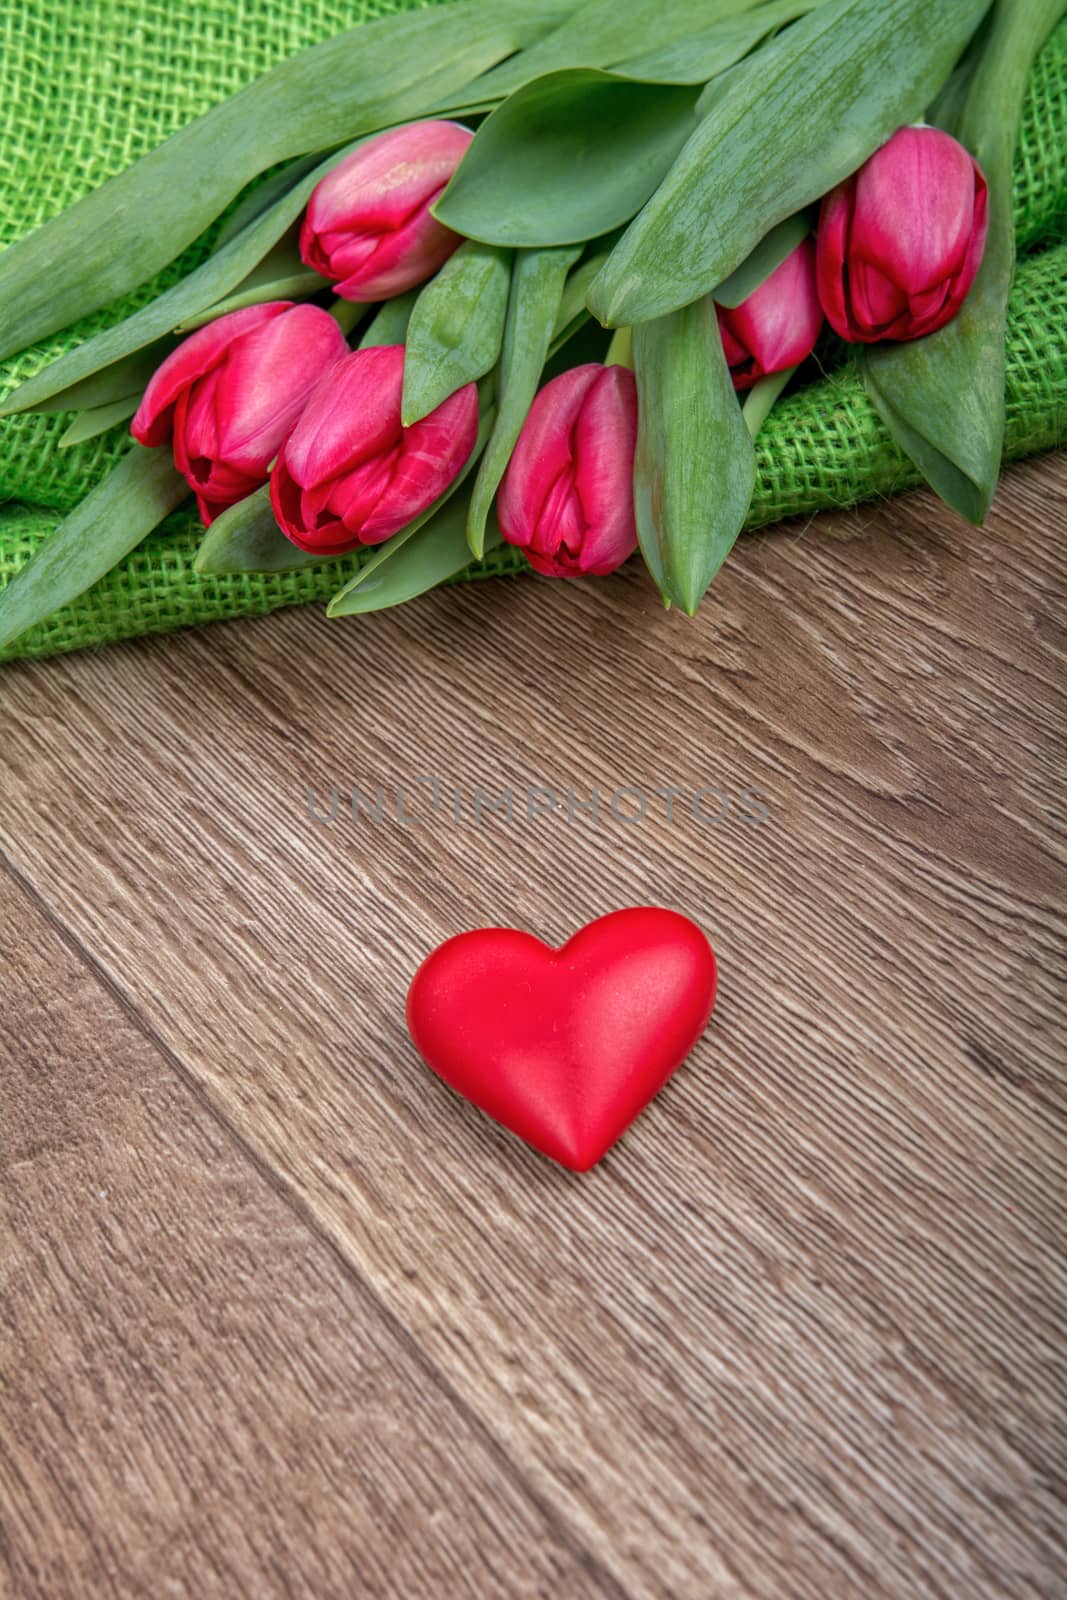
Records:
x=761, y=397
x=346, y=313
x=621, y=349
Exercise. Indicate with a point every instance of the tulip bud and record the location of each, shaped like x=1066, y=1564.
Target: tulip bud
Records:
x=900, y=241
x=368, y=224
x=350, y=472
x=567, y=496
x=777, y=326
x=230, y=393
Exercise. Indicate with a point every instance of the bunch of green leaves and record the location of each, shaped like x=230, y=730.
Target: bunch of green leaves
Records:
x=637, y=164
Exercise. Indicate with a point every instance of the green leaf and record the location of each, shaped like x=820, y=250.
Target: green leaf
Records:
x=965, y=474
x=216, y=278
x=121, y=380
x=703, y=55
x=602, y=33
x=265, y=192
x=788, y=125
x=392, y=547
x=537, y=288
x=390, y=323
x=762, y=398
x=572, y=301
x=573, y=313
x=566, y=158
x=942, y=397
x=88, y=424
x=765, y=259
x=110, y=522
x=371, y=77
x=456, y=328
x=281, y=275
x=695, y=466
x=246, y=538
x=436, y=551
x=947, y=107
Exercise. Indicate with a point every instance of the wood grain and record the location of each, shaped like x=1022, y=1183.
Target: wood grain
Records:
x=800, y=1334
x=199, y=1398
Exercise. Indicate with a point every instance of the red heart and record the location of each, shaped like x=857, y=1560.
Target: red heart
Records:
x=565, y=1047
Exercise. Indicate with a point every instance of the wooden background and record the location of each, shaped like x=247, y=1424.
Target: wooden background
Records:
x=283, y=1317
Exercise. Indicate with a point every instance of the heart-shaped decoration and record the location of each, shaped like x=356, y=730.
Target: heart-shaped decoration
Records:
x=565, y=1047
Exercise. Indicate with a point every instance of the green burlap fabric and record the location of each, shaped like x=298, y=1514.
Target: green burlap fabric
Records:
x=86, y=86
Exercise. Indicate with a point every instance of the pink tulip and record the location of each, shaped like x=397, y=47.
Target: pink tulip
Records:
x=350, y=473
x=567, y=496
x=900, y=241
x=368, y=224
x=230, y=393
x=777, y=326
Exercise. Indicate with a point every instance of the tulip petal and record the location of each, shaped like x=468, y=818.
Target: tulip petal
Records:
x=543, y=453
x=972, y=260
x=605, y=441
x=561, y=526
x=831, y=245
x=914, y=209
x=355, y=497
x=385, y=475
x=314, y=251
x=876, y=301
x=285, y=498
x=210, y=509
x=553, y=566
x=348, y=255
x=265, y=380
x=900, y=243
x=193, y=358
x=737, y=355
x=325, y=538
x=567, y=495
x=380, y=184
x=432, y=453
x=368, y=224
x=194, y=425
x=352, y=415
x=778, y=324
x=395, y=261
x=331, y=539
x=227, y=485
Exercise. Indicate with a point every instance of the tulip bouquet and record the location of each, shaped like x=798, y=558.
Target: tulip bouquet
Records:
x=536, y=271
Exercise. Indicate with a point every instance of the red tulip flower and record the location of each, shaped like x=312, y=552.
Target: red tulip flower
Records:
x=229, y=394
x=567, y=496
x=777, y=326
x=368, y=224
x=350, y=472
x=900, y=241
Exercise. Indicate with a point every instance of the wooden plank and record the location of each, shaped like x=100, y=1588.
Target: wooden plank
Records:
x=198, y=1397
x=798, y=1335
